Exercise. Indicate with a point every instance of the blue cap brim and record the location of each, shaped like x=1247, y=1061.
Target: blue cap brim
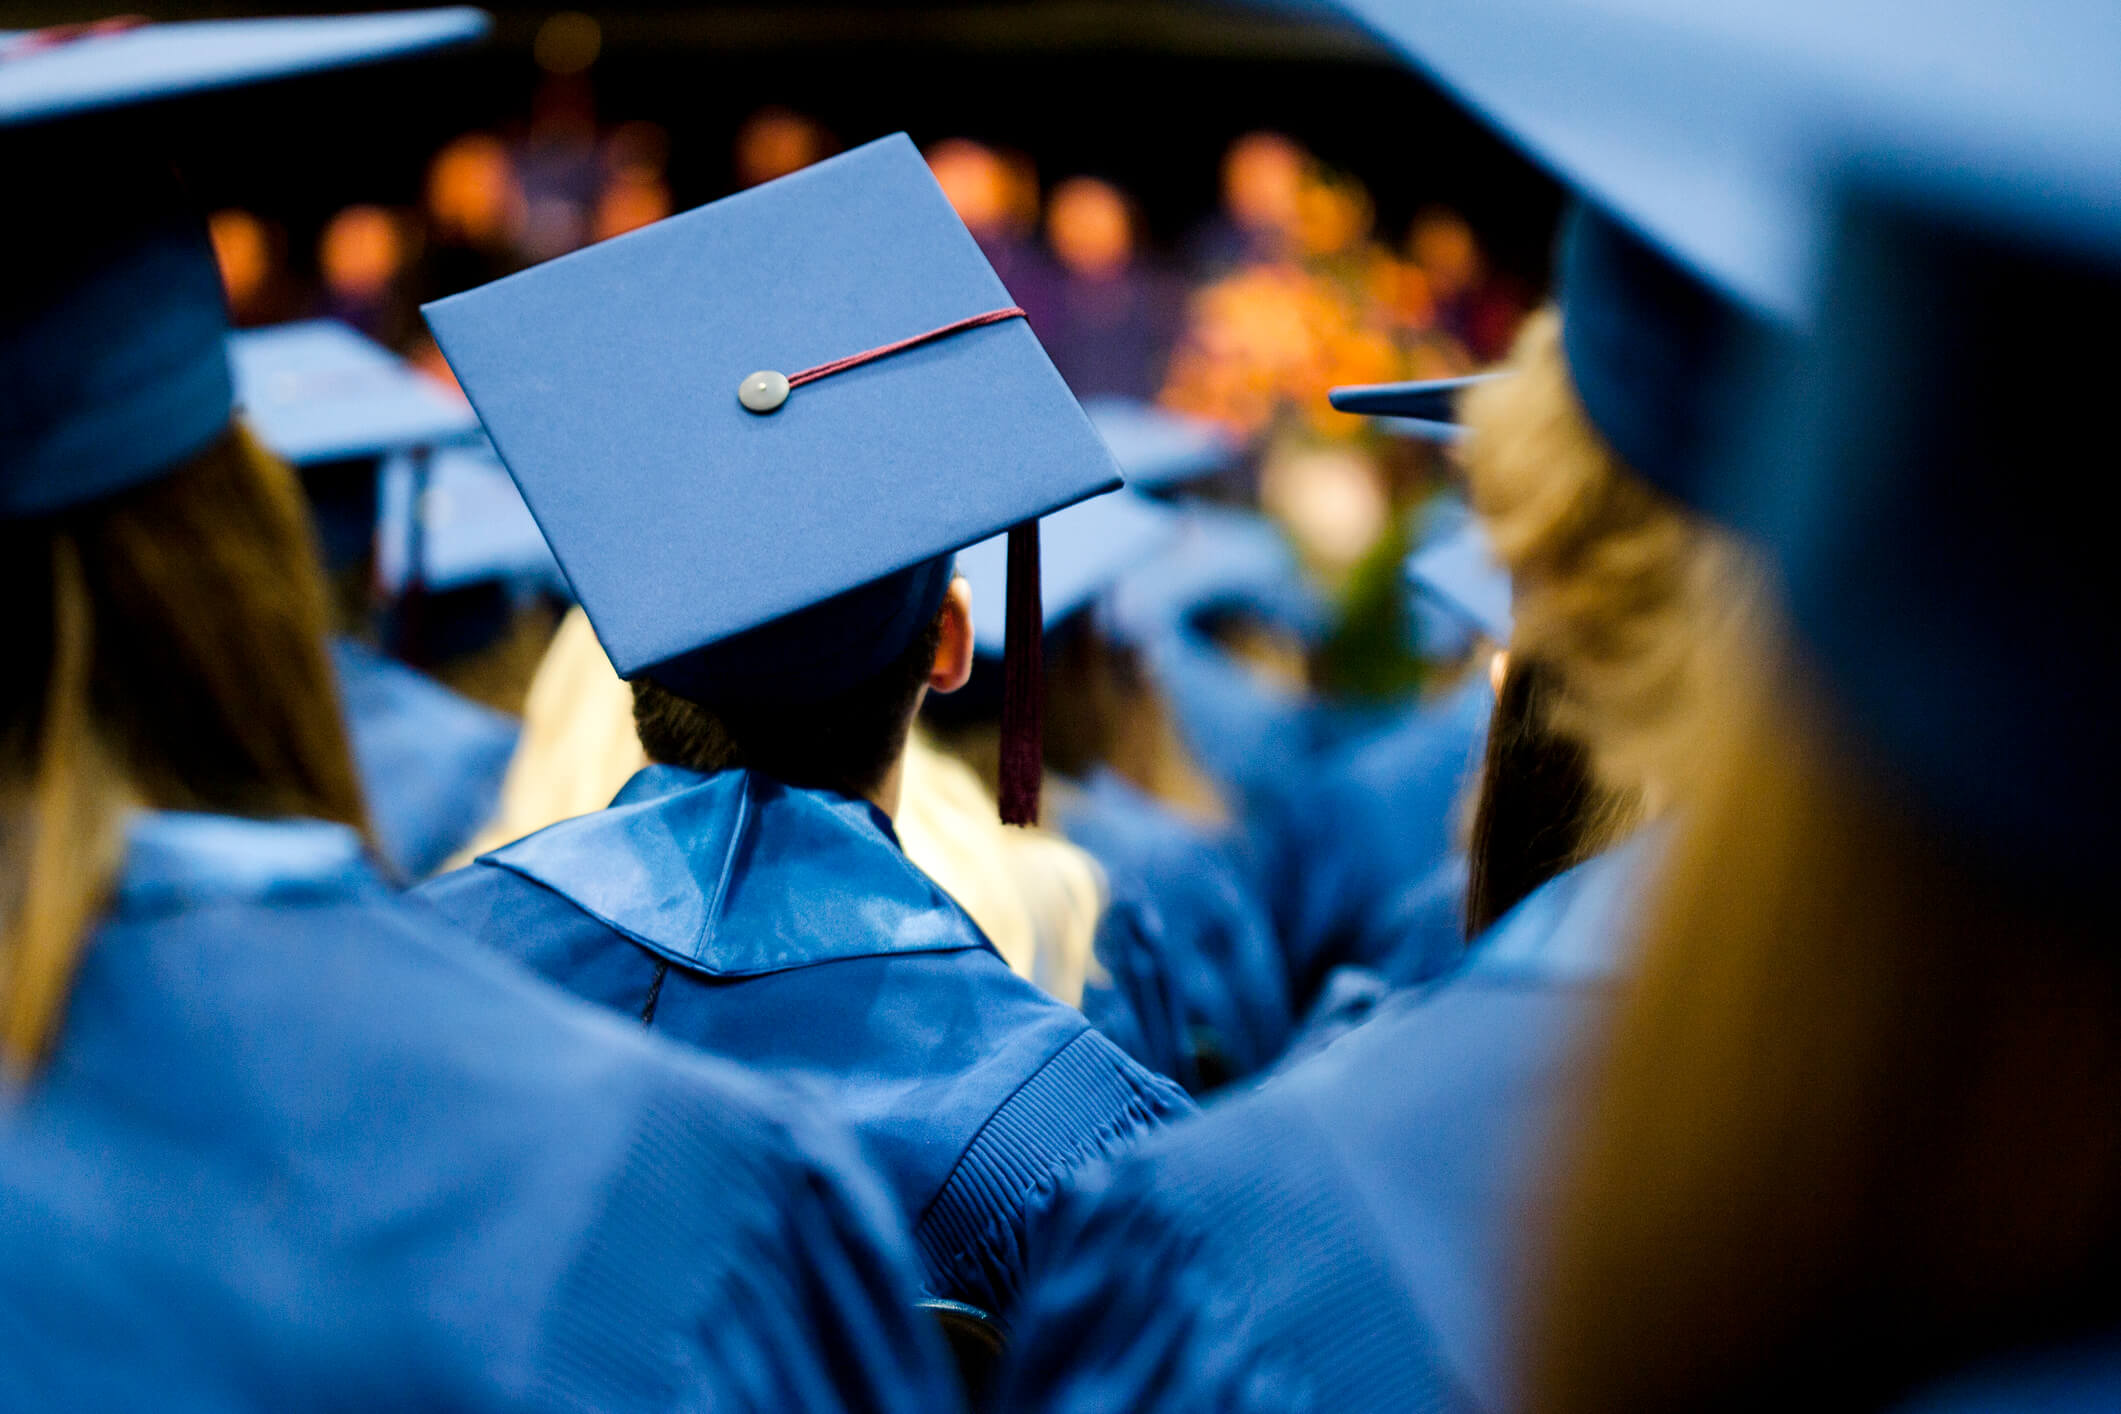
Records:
x=125, y=67
x=1426, y=400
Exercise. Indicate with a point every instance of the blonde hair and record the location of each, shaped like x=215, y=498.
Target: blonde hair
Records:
x=1616, y=590
x=578, y=744
x=1036, y=896
x=1856, y=1119
x=170, y=652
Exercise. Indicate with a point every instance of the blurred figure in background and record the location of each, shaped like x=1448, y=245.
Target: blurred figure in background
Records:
x=1114, y=314
x=998, y=202
x=476, y=213
x=1195, y=987
x=1262, y=183
x=265, y=1124
x=335, y=404
x=1364, y=857
x=361, y=256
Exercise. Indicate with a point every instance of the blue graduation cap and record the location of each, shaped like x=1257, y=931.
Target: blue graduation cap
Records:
x=1457, y=571
x=1425, y=409
x=1083, y=550
x=320, y=391
x=1158, y=449
x=112, y=368
x=755, y=433
x=473, y=527
x=1683, y=253
x=1963, y=619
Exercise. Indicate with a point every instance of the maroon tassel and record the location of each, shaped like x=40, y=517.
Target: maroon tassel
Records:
x=1023, y=683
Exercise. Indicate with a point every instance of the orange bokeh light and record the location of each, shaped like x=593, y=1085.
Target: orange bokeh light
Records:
x=472, y=193
x=243, y=250
x=776, y=141
x=1090, y=228
x=978, y=183
x=361, y=252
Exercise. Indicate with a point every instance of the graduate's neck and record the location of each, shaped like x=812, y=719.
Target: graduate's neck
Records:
x=886, y=793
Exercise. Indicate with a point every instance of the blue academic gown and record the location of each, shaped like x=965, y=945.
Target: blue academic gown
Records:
x=430, y=761
x=1191, y=960
x=1340, y=1239
x=785, y=929
x=1360, y=859
x=300, y=1146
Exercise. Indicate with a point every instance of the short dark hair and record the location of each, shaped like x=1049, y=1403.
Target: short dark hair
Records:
x=845, y=743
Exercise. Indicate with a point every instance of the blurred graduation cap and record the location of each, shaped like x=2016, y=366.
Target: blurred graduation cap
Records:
x=473, y=526
x=1682, y=253
x=333, y=402
x=1962, y=618
x=1084, y=550
x=755, y=433
x=112, y=368
x=319, y=391
x=1457, y=572
x=1157, y=449
x=1426, y=409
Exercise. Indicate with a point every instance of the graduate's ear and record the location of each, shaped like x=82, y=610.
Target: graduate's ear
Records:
x=953, y=651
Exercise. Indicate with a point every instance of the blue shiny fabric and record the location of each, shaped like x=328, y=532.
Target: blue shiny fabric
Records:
x=785, y=929
x=1341, y=849
x=1341, y=1238
x=1179, y=896
x=431, y=762
x=2082, y=1379
x=299, y=1146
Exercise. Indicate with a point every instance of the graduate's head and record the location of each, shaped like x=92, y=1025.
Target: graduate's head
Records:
x=167, y=649
x=1615, y=587
x=166, y=632
x=1854, y=1126
x=847, y=737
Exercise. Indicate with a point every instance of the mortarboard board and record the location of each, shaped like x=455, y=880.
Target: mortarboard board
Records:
x=1083, y=550
x=112, y=366
x=1156, y=448
x=474, y=527
x=754, y=433
x=319, y=391
x=1458, y=570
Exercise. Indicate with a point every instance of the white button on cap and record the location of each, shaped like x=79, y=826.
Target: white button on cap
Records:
x=763, y=391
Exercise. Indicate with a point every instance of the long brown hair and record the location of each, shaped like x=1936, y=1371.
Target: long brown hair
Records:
x=1540, y=807
x=1858, y=1118
x=168, y=645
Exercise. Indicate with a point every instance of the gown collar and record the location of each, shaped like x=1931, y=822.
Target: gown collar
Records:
x=176, y=860
x=735, y=874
